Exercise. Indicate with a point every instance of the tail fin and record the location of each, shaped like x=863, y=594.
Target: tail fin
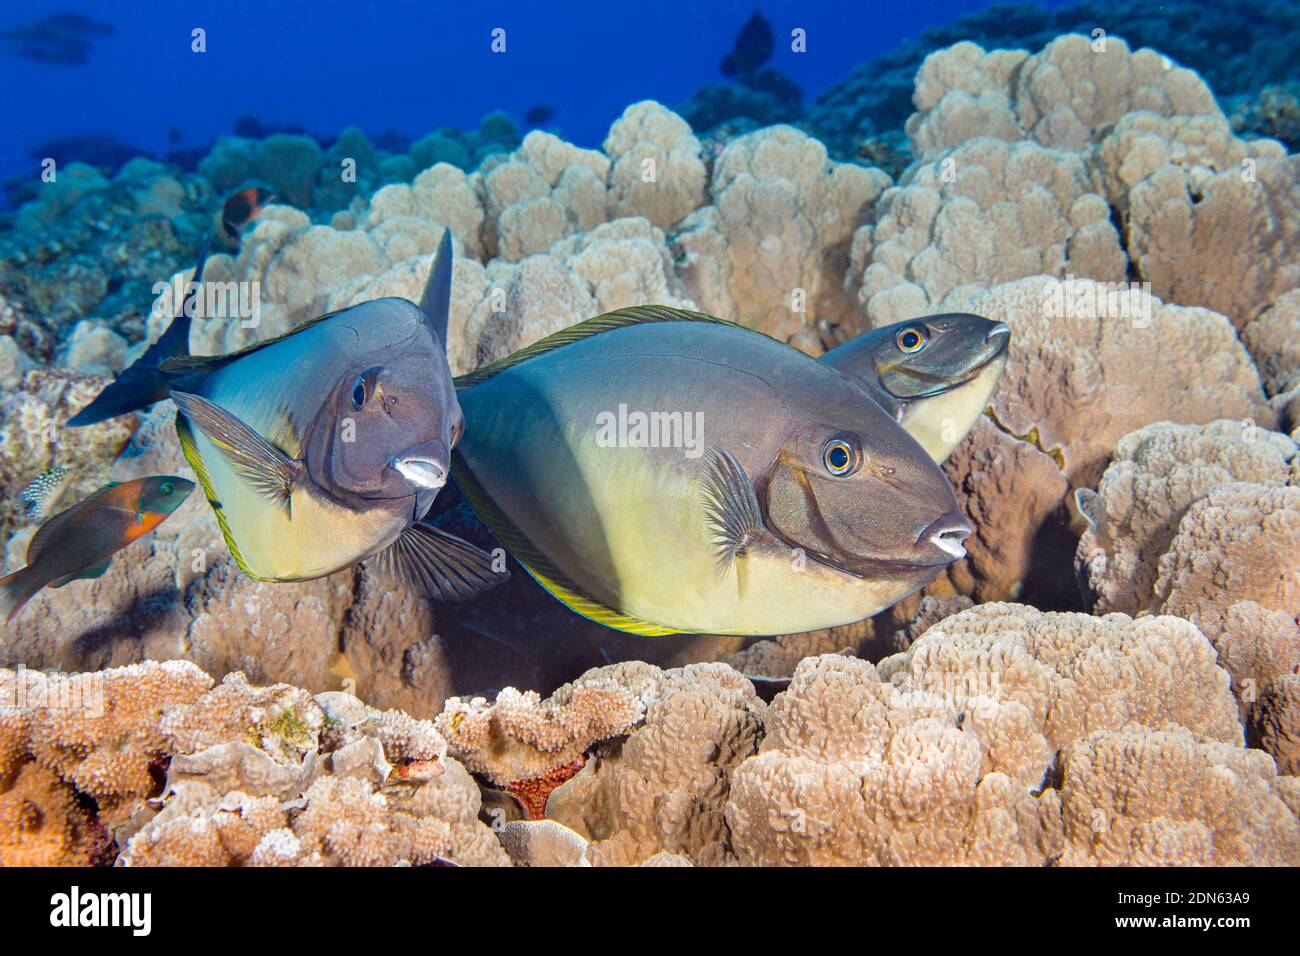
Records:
x=436, y=300
x=143, y=383
x=16, y=590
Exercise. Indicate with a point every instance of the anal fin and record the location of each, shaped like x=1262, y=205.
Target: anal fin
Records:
x=85, y=574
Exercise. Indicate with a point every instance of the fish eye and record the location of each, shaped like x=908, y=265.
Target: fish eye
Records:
x=838, y=457
x=910, y=339
x=363, y=387
x=166, y=488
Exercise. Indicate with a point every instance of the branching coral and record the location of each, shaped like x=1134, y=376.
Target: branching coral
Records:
x=100, y=732
x=260, y=775
x=520, y=737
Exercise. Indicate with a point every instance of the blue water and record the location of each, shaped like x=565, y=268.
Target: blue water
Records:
x=410, y=66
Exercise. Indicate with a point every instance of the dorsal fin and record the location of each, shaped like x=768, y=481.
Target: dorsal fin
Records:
x=540, y=567
x=144, y=382
x=435, y=303
x=619, y=318
x=185, y=364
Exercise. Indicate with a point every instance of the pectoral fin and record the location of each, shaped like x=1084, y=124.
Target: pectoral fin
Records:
x=439, y=564
x=730, y=505
x=256, y=460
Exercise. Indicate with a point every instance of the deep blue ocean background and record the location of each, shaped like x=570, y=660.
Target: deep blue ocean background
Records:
x=410, y=65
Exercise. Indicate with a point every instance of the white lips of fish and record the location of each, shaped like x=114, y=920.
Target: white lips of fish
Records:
x=422, y=472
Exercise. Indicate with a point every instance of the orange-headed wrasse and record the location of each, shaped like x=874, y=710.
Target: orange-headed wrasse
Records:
x=81, y=541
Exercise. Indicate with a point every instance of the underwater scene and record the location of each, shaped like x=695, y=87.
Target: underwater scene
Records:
x=732, y=434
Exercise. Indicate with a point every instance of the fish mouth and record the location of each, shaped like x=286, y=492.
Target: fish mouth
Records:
x=937, y=545
x=421, y=472
x=943, y=538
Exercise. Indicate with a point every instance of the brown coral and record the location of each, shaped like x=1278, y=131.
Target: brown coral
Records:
x=1144, y=799
x=986, y=213
x=664, y=788
x=1155, y=475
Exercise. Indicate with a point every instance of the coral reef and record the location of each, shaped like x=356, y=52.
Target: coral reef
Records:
x=154, y=765
x=1137, y=462
x=1004, y=735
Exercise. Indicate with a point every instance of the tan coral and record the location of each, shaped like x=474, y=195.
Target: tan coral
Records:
x=1145, y=799
x=1274, y=341
x=1075, y=673
x=1079, y=377
x=1208, y=219
x=1064, y=96
x=773, y=249
x=656, y=170
x=961, y=93
x=524, y=303
x=624, y=262
x=1155, y=474
x=855, y=771
x=986, y=213
x=1234, y=569
x=1075, y=87
x=546, y=190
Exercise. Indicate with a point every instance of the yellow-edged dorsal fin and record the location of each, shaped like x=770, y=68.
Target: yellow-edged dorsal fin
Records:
x=620, y=318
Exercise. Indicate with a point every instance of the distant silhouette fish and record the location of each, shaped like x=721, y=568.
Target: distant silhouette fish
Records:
x=243, y=207
x=80, y=542
x=538, y=115
x=752, y=48
x=59, y=38
x=79, y=23
x=62, y=53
